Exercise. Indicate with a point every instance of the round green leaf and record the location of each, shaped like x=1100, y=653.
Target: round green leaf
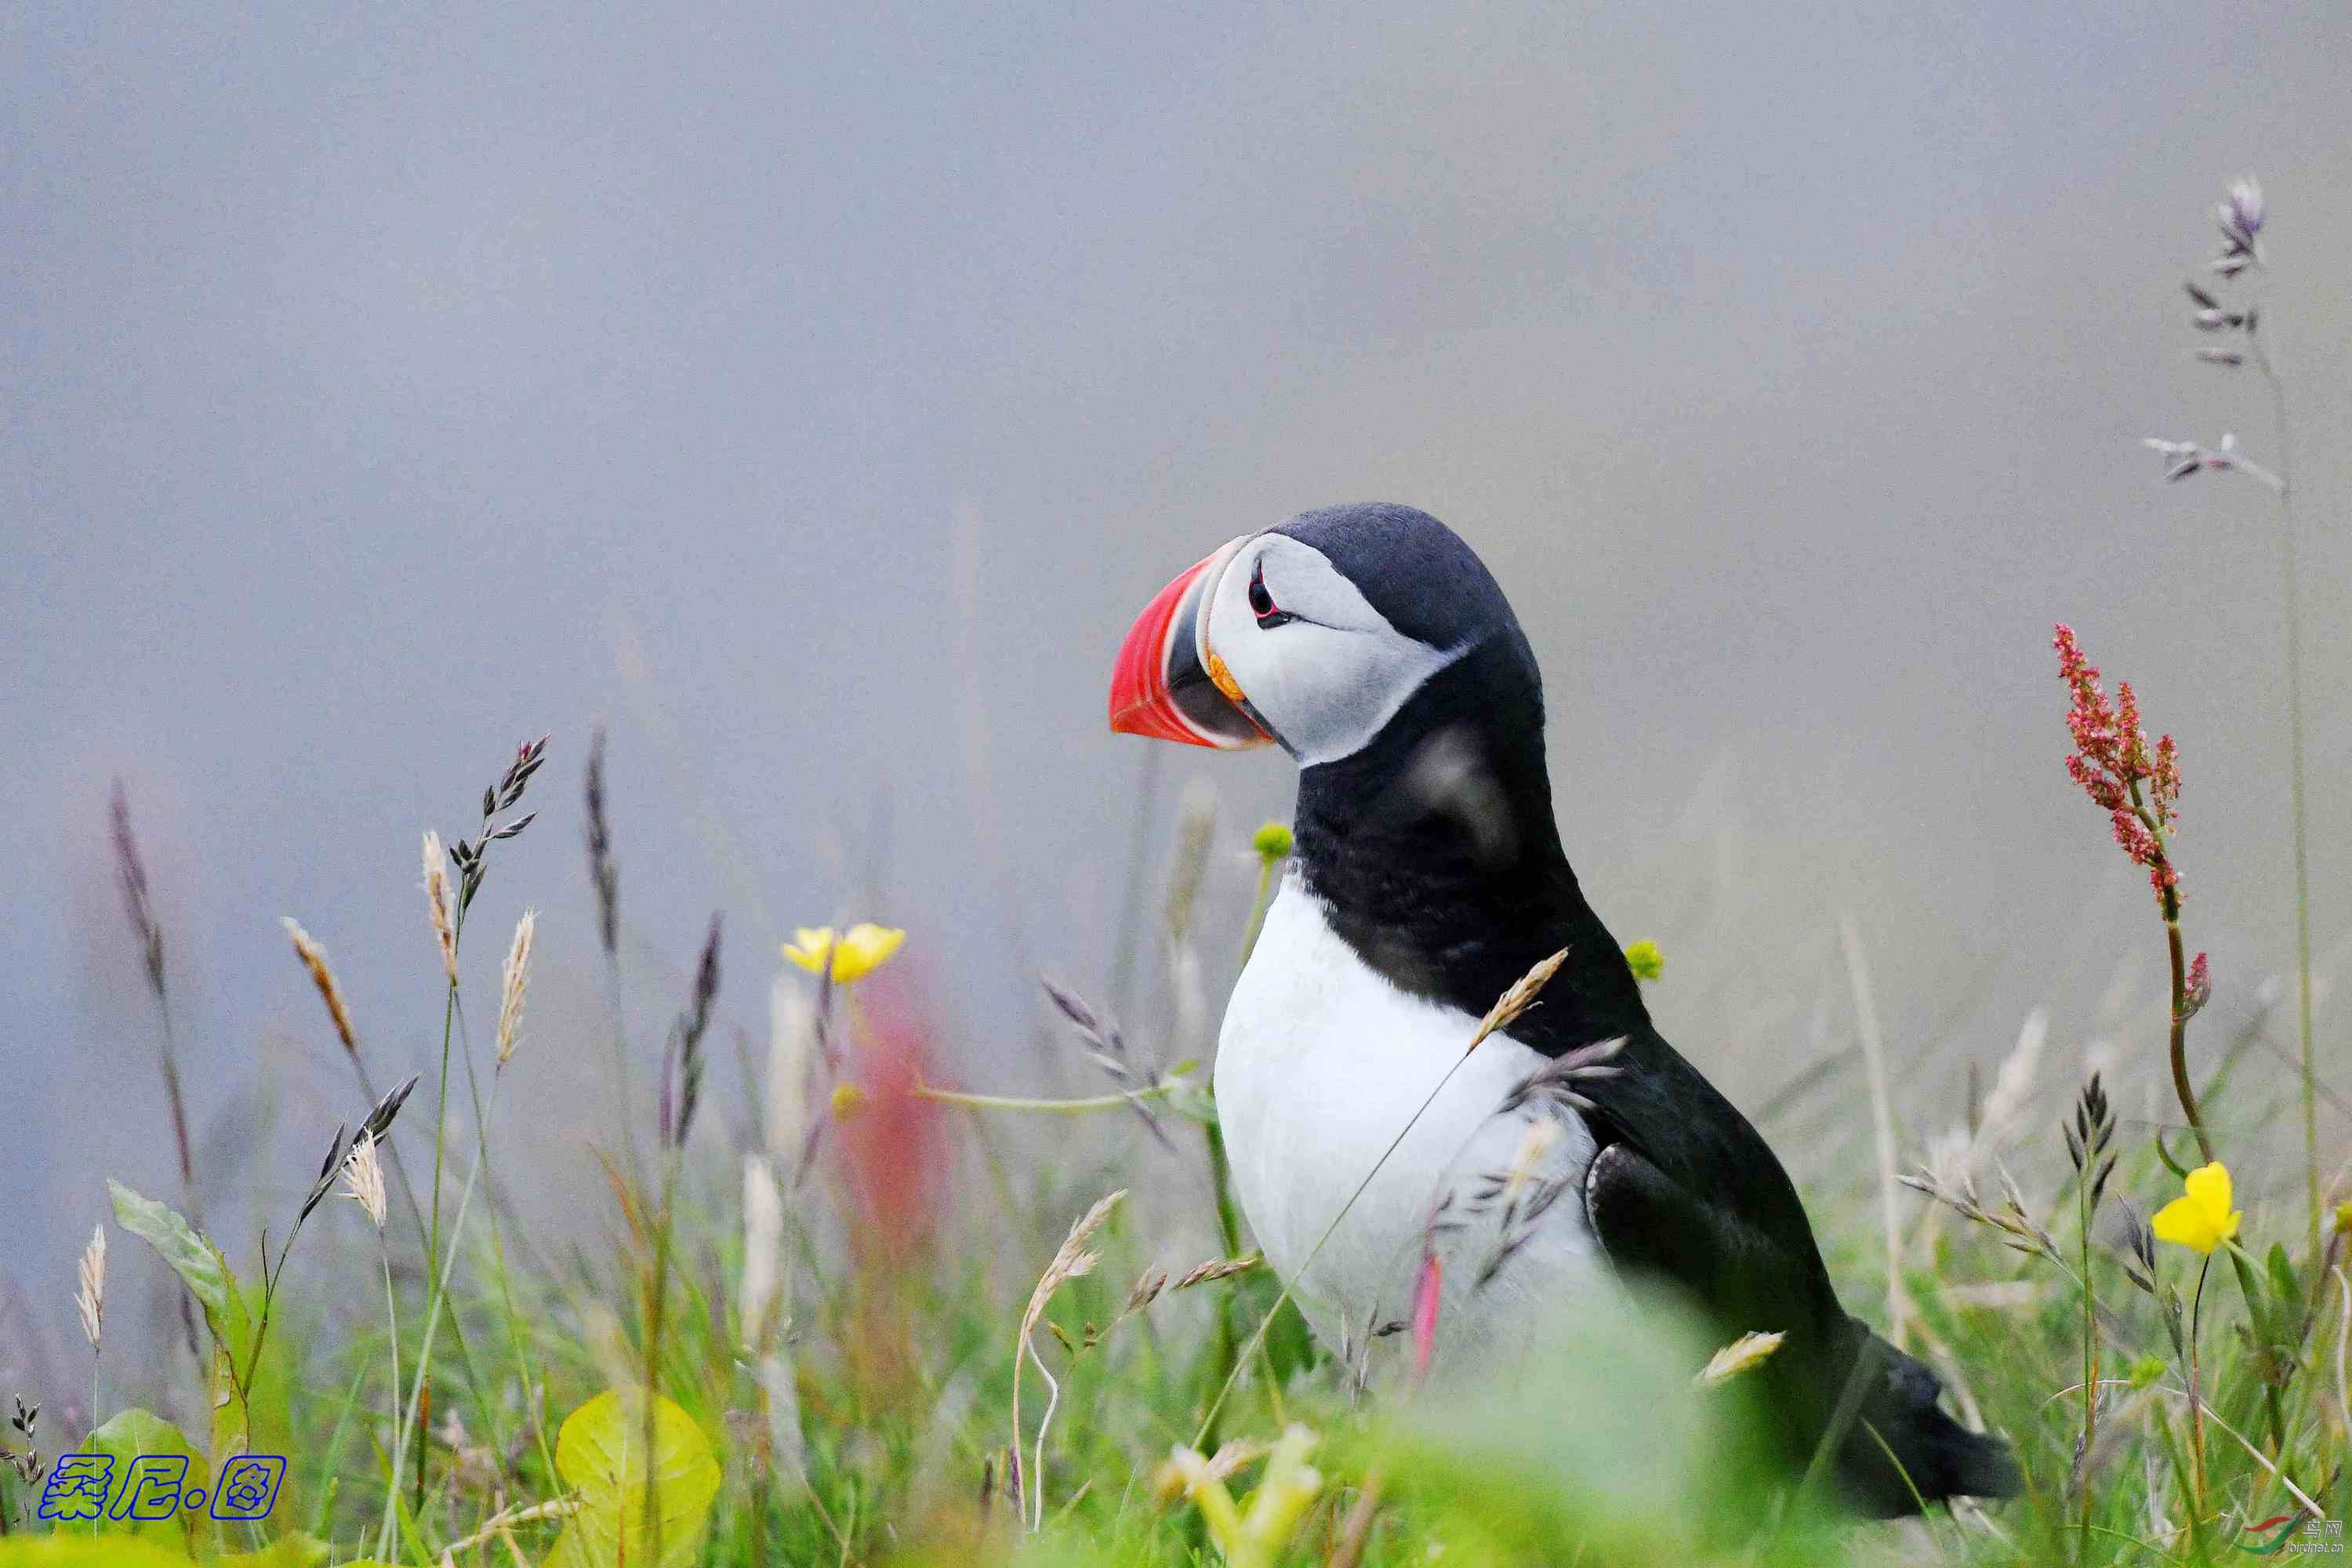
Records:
x=601, y=1454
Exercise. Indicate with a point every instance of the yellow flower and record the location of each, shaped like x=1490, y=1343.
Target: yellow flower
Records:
x=867, y=948
x=2201, y=1219
x=1644, y=959
x=848, y=1099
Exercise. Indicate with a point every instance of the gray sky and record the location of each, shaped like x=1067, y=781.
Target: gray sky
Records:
x=387, y=387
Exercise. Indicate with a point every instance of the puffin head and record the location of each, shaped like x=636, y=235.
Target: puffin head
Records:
x=1311, y=634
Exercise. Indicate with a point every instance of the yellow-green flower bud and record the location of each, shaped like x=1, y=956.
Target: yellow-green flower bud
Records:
x=1644, y=959
x=1273, y=841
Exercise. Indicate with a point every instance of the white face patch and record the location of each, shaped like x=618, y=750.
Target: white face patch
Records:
x=1325, y=670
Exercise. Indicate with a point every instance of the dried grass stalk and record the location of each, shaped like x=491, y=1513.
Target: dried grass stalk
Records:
x=314, y=959
x=1071, y=1261
x=1216, y=1268
x=1517, y=1000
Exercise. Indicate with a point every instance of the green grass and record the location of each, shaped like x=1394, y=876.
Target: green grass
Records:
x=894, y=1355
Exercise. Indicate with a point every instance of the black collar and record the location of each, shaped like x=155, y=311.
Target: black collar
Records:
x=1435, y=850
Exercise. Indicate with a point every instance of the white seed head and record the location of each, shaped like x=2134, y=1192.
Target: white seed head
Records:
x=363, y=1178
x=437, y=896
x=514, y=981
x=90, y=1299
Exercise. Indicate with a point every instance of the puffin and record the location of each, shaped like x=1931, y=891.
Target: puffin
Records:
x=1574, y=1152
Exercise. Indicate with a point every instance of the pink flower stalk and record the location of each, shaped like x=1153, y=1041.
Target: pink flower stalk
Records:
x=2137, y=788
x=1424, y=1311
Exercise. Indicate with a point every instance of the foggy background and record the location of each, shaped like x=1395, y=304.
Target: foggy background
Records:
x=813, y=401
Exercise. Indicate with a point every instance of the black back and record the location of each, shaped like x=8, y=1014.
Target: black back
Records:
x=1435, y=850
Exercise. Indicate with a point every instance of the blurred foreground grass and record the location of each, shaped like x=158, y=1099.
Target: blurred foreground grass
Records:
x=834, y=1344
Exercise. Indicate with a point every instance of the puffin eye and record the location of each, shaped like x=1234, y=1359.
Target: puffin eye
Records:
x=1261, y=602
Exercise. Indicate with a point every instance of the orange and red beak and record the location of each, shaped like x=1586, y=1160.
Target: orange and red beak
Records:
x=1166, y=682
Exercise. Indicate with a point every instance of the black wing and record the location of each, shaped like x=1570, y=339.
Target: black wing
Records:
x=1684, y=1190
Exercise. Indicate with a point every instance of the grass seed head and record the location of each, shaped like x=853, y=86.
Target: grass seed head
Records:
x=1521, y=997
x=1215, y=1268
x=1745, y=1353
x=130, y=871
x=89, y=1299
x=514, y=981
x=314, y=959
x=437, y=899
x=1071, y=1261
x=603, y=872
x=363, y=1178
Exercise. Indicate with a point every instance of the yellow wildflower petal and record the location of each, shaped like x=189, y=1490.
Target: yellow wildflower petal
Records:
x=848, y=1099
x=809, y=947
x=867, y=948
x=2201, y=1218
x=2184, y=1224
x=2208, y=1188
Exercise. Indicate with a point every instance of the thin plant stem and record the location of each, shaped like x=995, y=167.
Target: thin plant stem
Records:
x=474, y=1384
x=1053, y=1107
x=2090, y=1350
x=499, y=1261
x=433, y=1237
x=2196, y=1400
x=435, y=1302
x=187, y=1163
x=1221, y=1166
x=625, y=1117
x=1223, y=1364
x=656, y=1304
x=2177, y=1044
x=179, y=1114
x=1259, y=905
x=391, y=1323
x=2294, y=775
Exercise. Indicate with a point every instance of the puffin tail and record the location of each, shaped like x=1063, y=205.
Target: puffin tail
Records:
x=1901, y=1451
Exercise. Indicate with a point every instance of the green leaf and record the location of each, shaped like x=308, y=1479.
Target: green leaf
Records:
x=252, y=1410
x=196, y=1261
x=600, y=1452
x=1289, y=1343
x=2283, y=1284
x=131, y=1434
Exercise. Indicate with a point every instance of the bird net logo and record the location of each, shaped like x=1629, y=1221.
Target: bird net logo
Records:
x=2289, y=1534
x=84, y=1487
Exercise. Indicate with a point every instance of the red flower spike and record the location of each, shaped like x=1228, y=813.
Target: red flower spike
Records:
x=2113, y=765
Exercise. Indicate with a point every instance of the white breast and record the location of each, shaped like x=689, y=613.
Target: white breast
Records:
x=1321, y=1063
